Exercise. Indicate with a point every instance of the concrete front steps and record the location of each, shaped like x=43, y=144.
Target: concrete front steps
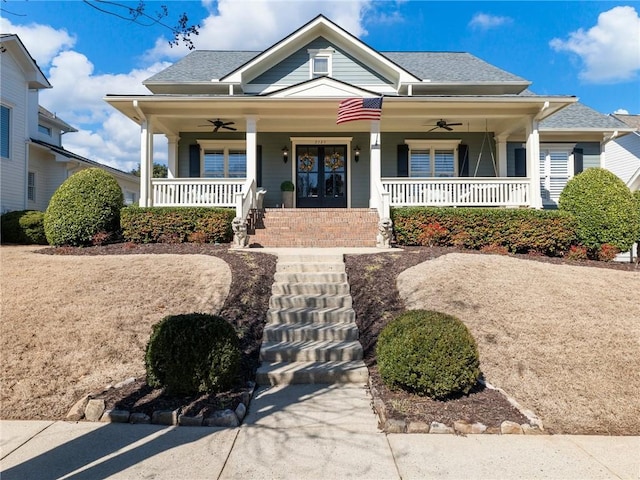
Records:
x=315, y=227
x=311, y=335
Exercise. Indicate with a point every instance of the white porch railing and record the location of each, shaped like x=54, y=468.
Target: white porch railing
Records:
x=196, y=192
x=245, y=199
x=383, y=200
x=459, y=192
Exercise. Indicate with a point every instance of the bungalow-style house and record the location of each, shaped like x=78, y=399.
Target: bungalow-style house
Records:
x=453, y=131
x=34, y=162
x=623, y=154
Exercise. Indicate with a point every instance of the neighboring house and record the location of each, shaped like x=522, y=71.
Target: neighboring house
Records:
x=623, y=154
x=34, y=163
x=454, y=130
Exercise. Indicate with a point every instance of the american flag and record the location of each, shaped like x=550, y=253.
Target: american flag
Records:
x=359, y=109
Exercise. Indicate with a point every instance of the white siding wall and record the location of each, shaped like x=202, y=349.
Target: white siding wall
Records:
x=13, y=94
x=623, y=156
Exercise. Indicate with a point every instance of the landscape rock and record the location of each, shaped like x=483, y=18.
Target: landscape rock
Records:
x=493, y=430
x=417, y=427
x=393, y=425
x=124, y=383
x=510, y=428
x=186, y=421
x=165, y=417
x=94, y=409
x=241, y=411
x=531, y=429
x=222, y=418
x=467, y=428
x=437, y=427
x=380, y=409
x=139, y=417
x=77, y=411
x=115, y=416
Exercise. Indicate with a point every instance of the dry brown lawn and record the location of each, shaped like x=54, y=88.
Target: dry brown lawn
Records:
x=73, y=324
x=563, y=340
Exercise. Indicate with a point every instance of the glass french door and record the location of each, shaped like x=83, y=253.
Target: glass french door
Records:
x=321, y=171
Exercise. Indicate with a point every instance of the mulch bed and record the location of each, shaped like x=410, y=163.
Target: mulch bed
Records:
x=376, y=301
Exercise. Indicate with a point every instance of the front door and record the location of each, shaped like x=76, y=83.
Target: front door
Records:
x=321, y=171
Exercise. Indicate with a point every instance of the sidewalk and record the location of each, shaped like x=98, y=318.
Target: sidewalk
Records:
x=302, y=432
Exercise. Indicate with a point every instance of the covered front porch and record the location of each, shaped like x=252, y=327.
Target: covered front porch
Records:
x=487, y=155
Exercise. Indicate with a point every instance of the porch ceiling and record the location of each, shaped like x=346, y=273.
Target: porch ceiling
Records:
x=174, y=114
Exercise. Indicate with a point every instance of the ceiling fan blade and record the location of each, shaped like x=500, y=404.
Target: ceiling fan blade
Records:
x=447, y=127
x=216, y=129
x=454, y=124
x=431, y=130
x=229, y=128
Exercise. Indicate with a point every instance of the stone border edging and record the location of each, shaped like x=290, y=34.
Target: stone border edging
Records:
x=92, y=408
x=460, y=427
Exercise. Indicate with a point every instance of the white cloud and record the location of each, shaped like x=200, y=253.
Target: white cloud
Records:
x=485, y=21
x=42, y=41
x=257, y=24
x=609, y=50
x=621, y=111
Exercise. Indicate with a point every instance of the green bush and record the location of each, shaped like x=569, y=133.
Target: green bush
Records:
x=86, y=204
x=518, y=230
x=428, y=353
x=287, y=186
x=176, y=225
x=193, y=353
x=24, y=226
x=604, y=209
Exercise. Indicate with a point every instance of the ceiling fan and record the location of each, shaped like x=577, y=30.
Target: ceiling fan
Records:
x=443, y=124
x=218, y=124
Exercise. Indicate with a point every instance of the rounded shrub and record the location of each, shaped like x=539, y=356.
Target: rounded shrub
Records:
x=86, y=204
x=604, y=209
x=428, y=353
x=193, y=353
x=23, y=226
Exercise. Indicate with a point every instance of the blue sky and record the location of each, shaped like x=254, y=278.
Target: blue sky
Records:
x=590, y=49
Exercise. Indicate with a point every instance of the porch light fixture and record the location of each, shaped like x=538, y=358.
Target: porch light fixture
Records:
x=285, y=154
x=356, y=153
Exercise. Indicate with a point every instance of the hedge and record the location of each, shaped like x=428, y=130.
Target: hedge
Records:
x=23, y=226
x=548, y=232
x=176, y=225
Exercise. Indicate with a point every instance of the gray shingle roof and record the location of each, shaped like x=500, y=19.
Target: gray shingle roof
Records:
x=203, y=65
x=450, y=67
x=632, y=120
x=578, y=115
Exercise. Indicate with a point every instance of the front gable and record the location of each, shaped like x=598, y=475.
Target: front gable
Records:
x=287, y=62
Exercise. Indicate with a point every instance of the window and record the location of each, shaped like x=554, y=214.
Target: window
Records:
x=31, y=186
x=555, y=171
x=45, y=130
x=5, y=131
x=129, y=197
x=433, y=158
x=320, y=62
x=224, y=159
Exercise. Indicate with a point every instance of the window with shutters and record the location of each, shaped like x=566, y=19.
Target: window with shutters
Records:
x=433, y=158
x=223, y=159
x=5, y=131
x=556, y=168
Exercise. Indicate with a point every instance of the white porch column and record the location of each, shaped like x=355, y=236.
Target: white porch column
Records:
x=501, y=141
x=252, y=144
x=533, y=162
x=375, y=164
x=146, y=163
x=172, y=155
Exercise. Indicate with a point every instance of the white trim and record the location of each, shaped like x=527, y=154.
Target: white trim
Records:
x=326, y=53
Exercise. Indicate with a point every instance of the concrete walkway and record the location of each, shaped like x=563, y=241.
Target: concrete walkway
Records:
x=302, y=432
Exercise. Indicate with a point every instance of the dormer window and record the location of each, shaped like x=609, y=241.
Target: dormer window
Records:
x=320, y=62
x=44, y=129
